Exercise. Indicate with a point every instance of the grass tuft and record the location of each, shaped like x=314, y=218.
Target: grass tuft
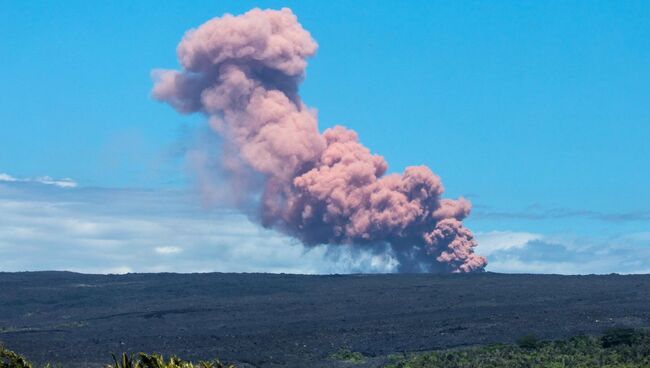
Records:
x=347, y=355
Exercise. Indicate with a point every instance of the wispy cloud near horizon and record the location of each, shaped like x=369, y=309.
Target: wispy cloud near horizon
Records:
x=115, y=230
x=538, y=212
x=109, y=230
x=521, y=252
x=62, y=183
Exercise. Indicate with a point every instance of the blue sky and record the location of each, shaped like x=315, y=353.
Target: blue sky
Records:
x=537, y=111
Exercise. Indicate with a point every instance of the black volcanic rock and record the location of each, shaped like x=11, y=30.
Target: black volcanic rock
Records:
x=271, y=320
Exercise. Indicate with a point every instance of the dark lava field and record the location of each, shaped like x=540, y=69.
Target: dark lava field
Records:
x=271, y=320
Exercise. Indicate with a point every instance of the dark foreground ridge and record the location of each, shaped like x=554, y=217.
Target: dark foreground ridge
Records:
x=269, y=320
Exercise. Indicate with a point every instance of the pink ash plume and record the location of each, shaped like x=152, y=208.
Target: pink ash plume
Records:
x=243, y=72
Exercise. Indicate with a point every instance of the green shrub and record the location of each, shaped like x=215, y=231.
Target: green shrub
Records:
x=9, y=359
x=158, y=361
x=619, y=348
x=615, y=349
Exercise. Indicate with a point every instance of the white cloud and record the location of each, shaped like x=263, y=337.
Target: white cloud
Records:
x=118, y=270
x=490, y=242
x=516, y=265
x=112, y=231
x=168, y=250
x=625, y=254
x=61, y=183
x=6, y=177
x=55, y=227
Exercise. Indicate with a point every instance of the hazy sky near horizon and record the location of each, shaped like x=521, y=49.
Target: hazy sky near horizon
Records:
x=538, y=112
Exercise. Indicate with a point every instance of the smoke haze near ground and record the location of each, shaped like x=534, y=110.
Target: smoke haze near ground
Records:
x=243, y=73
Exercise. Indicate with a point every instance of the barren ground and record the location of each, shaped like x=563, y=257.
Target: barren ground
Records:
x=270, y=320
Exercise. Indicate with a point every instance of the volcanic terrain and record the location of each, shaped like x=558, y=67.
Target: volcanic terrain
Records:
x=278, y=320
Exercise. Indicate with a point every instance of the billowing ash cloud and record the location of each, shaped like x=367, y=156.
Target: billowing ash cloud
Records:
x=243, y=72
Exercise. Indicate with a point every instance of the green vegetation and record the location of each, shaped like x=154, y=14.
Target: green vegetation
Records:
x=347, y=355
x=157, y=361
x=9, y=359
x=619, y=348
